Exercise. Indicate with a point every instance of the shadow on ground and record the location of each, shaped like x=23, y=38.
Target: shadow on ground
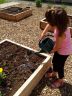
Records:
x=38, y=89
x=65, y=91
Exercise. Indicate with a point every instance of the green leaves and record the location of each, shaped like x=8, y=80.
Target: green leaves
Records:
x=2, y=76
x=2, y=1
x=1, y=94
x=38, y=3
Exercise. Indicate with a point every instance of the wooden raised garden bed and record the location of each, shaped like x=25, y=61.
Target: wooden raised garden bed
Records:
x=43, y=23
x=23, y=66
x=15, y=13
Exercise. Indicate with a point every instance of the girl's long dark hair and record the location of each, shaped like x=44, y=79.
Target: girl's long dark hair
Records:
x=57, y=17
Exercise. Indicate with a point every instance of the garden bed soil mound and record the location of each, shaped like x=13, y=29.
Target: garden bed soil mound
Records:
x=15, y=10
x=18, y=64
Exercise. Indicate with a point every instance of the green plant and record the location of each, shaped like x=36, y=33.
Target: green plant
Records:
x=63, y=6
x=2, y=1
x=2, y=76
x=1, y=93
x=38, y=3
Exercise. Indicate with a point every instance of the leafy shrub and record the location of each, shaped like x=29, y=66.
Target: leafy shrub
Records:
x=2, y=1
x=38, y=3
x=1, y=94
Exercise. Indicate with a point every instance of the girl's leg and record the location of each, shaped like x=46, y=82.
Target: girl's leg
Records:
x=51, y=73
x=60, y=69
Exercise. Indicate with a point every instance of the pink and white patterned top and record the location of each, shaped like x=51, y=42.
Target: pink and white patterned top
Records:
x=66, y=47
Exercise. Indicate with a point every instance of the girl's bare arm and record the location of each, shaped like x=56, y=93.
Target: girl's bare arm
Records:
x=47, y=28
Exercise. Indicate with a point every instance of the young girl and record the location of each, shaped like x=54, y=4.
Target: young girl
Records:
x=58, y=22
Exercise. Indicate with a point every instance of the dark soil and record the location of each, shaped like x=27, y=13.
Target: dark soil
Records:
x=18, y=64
x=15, y=10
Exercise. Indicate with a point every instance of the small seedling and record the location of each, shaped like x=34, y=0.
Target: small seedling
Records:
x=2, y=76
x=1, y=93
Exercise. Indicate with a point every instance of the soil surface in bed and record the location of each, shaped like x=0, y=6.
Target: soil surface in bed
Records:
x=15, y=10
x=18, y=64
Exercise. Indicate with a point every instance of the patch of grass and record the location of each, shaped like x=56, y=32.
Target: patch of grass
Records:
x=2, y=1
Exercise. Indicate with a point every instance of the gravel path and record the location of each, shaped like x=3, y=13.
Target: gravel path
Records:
x=27, y=32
